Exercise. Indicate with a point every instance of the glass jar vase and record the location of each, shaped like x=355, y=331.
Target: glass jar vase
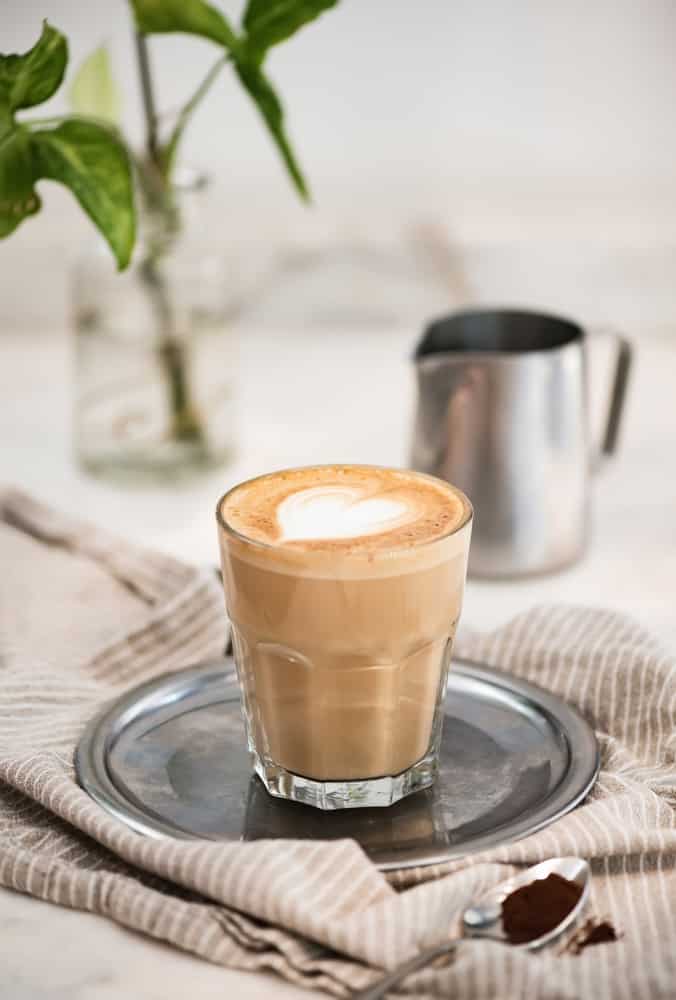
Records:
x=154, y=348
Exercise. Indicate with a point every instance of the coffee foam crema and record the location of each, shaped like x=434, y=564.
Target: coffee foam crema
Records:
x=358, y=509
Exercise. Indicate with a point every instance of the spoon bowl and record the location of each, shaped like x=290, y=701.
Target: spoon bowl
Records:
x=484, y=919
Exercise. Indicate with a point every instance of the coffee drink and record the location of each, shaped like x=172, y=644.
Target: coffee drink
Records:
x=343, y=585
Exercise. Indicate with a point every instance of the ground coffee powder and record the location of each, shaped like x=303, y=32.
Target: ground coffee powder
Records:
x=537, y=908
x=592, y=932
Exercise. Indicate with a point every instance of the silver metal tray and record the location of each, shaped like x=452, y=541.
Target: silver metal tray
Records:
x=169, y=759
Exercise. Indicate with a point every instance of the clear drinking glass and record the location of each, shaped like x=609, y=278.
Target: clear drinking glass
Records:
x=342, y=659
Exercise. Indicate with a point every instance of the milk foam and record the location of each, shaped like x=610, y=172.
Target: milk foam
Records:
x=346, y=520
x=338, y=512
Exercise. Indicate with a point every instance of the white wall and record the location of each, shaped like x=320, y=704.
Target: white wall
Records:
x=386, y=90
x=509, y=120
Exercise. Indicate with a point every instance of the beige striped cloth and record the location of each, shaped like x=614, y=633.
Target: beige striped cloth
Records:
x=84, y=616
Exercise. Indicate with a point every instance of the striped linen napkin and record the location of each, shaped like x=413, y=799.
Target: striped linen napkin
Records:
x=84, y=616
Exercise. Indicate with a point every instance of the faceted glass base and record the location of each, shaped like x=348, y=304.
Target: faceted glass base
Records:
x=367, y=793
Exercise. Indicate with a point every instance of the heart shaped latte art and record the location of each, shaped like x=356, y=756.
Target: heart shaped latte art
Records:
x=337, y=512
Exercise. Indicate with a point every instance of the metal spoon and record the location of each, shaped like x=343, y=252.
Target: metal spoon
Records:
x=483, y=919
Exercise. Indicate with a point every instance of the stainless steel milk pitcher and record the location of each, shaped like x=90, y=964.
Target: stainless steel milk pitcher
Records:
x=503, y=414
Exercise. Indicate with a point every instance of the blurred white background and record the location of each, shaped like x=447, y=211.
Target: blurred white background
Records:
x=539, y=135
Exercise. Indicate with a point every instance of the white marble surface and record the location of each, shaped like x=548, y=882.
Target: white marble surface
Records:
x=50, y=953
x=304, y=397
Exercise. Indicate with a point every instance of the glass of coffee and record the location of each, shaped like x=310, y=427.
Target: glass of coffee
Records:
x=344, y=584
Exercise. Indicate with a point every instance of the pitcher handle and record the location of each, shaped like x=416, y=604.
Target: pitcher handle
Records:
x=618, y=395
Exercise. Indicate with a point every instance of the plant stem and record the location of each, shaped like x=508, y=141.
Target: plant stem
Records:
x=148, y=97
x=185, y=421
x=184, y=114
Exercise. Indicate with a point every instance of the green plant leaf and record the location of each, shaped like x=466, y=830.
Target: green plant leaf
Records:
x=192, y=16
x=269, y=22
x=272, y=113
x=18, y=198
x=91, y=160
x=30, y=78
x=93, y=91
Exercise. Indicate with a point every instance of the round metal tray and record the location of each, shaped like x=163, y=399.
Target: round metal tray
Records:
x=169, y=759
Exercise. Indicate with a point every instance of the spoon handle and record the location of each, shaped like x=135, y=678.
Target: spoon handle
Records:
x=423, y=958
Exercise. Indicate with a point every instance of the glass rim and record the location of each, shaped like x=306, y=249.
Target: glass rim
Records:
x=468, y=514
